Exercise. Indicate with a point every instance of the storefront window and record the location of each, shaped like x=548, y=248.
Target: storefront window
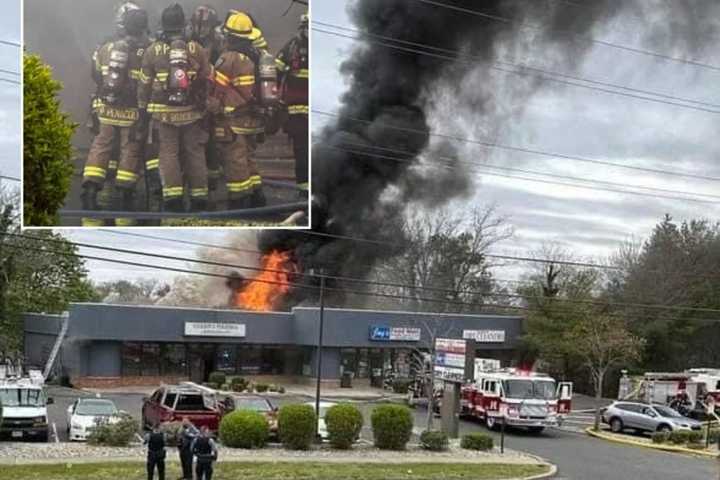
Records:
x=131, y=355
x=226, y=358
x=174, y=361
x=348, y=361
x=150, y=360
x=363, y=367
x=250, y=360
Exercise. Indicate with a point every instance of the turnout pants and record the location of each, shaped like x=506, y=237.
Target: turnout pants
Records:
x=153, y=462
x=241, y=172
x=101, y=152
x=203, y=471
x=182, y=158
x=297, y=128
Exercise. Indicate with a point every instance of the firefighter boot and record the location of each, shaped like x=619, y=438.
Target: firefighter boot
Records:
x=126, y=204
x=257, y=199
x=239, y=203
x=174, y=205
x=198, y=205
x=89, y=196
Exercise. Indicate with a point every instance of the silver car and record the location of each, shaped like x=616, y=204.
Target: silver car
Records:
x=647, y=418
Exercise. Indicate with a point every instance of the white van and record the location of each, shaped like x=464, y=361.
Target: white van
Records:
x=24, y=409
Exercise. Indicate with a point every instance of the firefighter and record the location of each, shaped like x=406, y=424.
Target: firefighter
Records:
x=116, y=72
x=293, y=69
x=203, y=29
x=234, y=100
x=173, y=90
x=205, y=452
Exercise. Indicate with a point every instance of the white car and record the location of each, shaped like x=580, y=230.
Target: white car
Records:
x=322, y=428
x=86, y=413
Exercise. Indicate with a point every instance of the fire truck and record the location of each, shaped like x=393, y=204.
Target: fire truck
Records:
x=525, y=399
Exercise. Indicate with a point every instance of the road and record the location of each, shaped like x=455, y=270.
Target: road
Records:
x=577, y=456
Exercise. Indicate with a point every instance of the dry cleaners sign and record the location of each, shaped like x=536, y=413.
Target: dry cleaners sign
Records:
x=202, y=329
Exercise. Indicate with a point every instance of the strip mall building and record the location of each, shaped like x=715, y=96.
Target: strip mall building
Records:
x=110, y=345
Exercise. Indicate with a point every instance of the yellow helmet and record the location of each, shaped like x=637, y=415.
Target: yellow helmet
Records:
x=239, y=24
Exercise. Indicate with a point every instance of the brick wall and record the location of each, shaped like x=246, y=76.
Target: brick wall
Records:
x=115, y=382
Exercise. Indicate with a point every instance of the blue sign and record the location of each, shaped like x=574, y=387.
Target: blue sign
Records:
x=379, y=332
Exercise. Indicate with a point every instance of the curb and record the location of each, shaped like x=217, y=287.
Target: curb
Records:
x=550, y=474
x=653, y=446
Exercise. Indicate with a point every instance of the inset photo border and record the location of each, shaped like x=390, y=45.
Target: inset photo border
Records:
x=166, y=114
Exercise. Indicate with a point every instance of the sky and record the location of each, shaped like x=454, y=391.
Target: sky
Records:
x=10, y=93
x=558, y=119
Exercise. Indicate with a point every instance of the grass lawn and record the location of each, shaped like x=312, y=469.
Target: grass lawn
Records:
x=278, y=471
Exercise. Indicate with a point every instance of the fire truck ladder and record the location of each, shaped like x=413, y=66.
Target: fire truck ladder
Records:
x=64, y=320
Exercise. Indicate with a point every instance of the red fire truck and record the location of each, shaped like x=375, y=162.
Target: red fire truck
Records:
x=526, y=399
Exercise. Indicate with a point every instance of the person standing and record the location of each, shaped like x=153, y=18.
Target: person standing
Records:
x=293, y=70
x=155, y=441
x=173, y=89
x=116, y=70
x=188, y=433
x=205, y=451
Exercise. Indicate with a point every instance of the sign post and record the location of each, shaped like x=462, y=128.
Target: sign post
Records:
x=455, y=365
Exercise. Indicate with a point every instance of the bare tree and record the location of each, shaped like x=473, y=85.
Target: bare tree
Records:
x=444, y=263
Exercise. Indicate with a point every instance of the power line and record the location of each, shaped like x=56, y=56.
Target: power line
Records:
x=8, y=42
x=523, y=70
x=6, y=177
x=9, y=72
x=452, y=166
x=521, y=149
x=7, y=80
x=579, y=36
x=343, y=290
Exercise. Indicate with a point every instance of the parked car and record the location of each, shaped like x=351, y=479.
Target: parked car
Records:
x=172, y=403
x=322, y=427
x=256, y=403
x=85, y=414
x=646, y=417
x=24, y=413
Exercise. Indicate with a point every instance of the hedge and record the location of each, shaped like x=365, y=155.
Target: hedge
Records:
x=344, y=422
x=477, y=441
x=296, y=426
x=392, y=426
x=401, y=385
x=114, y=434
x=47, y=147
x=244, y=429
x=238, y=384
x=434, y=441
x=217, y=378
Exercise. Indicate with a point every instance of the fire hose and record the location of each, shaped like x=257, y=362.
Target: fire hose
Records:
x=242, y=213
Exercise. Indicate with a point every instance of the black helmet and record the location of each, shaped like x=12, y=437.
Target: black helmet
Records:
x=173, y=18
x=135, y=22
x=204, y=20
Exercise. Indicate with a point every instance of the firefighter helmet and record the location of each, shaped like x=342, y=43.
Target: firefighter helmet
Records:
x=240, y=25
x=120, y=12
x=135, y=22
x=204, y=20
x=173, y=18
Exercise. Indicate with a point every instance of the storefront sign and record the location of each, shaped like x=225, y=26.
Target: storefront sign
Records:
x=198, y=329
x=394, y=334
x=454, y=359
x=485, y=336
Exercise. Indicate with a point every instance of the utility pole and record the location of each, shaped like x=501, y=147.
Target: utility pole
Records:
x=318, y=372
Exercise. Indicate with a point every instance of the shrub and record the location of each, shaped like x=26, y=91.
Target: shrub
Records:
x=244, y=429
x=401, y=385
x=477, y=441
x=281, y=389
x=217, y=378
x=660, y=437
x=114, y=434
x=714, y=436
x=215, y=386
x=261, y=387
x=695, y=437
x=238, y=384
x=343, y=422
x=392, y=426
x=173, y=433
x=47, y=148
x=434, y=441
x=679, y=437
x=296, y=426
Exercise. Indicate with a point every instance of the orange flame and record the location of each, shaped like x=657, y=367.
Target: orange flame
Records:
x=265, y=291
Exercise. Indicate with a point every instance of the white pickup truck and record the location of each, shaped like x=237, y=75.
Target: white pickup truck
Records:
x=24, y=409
